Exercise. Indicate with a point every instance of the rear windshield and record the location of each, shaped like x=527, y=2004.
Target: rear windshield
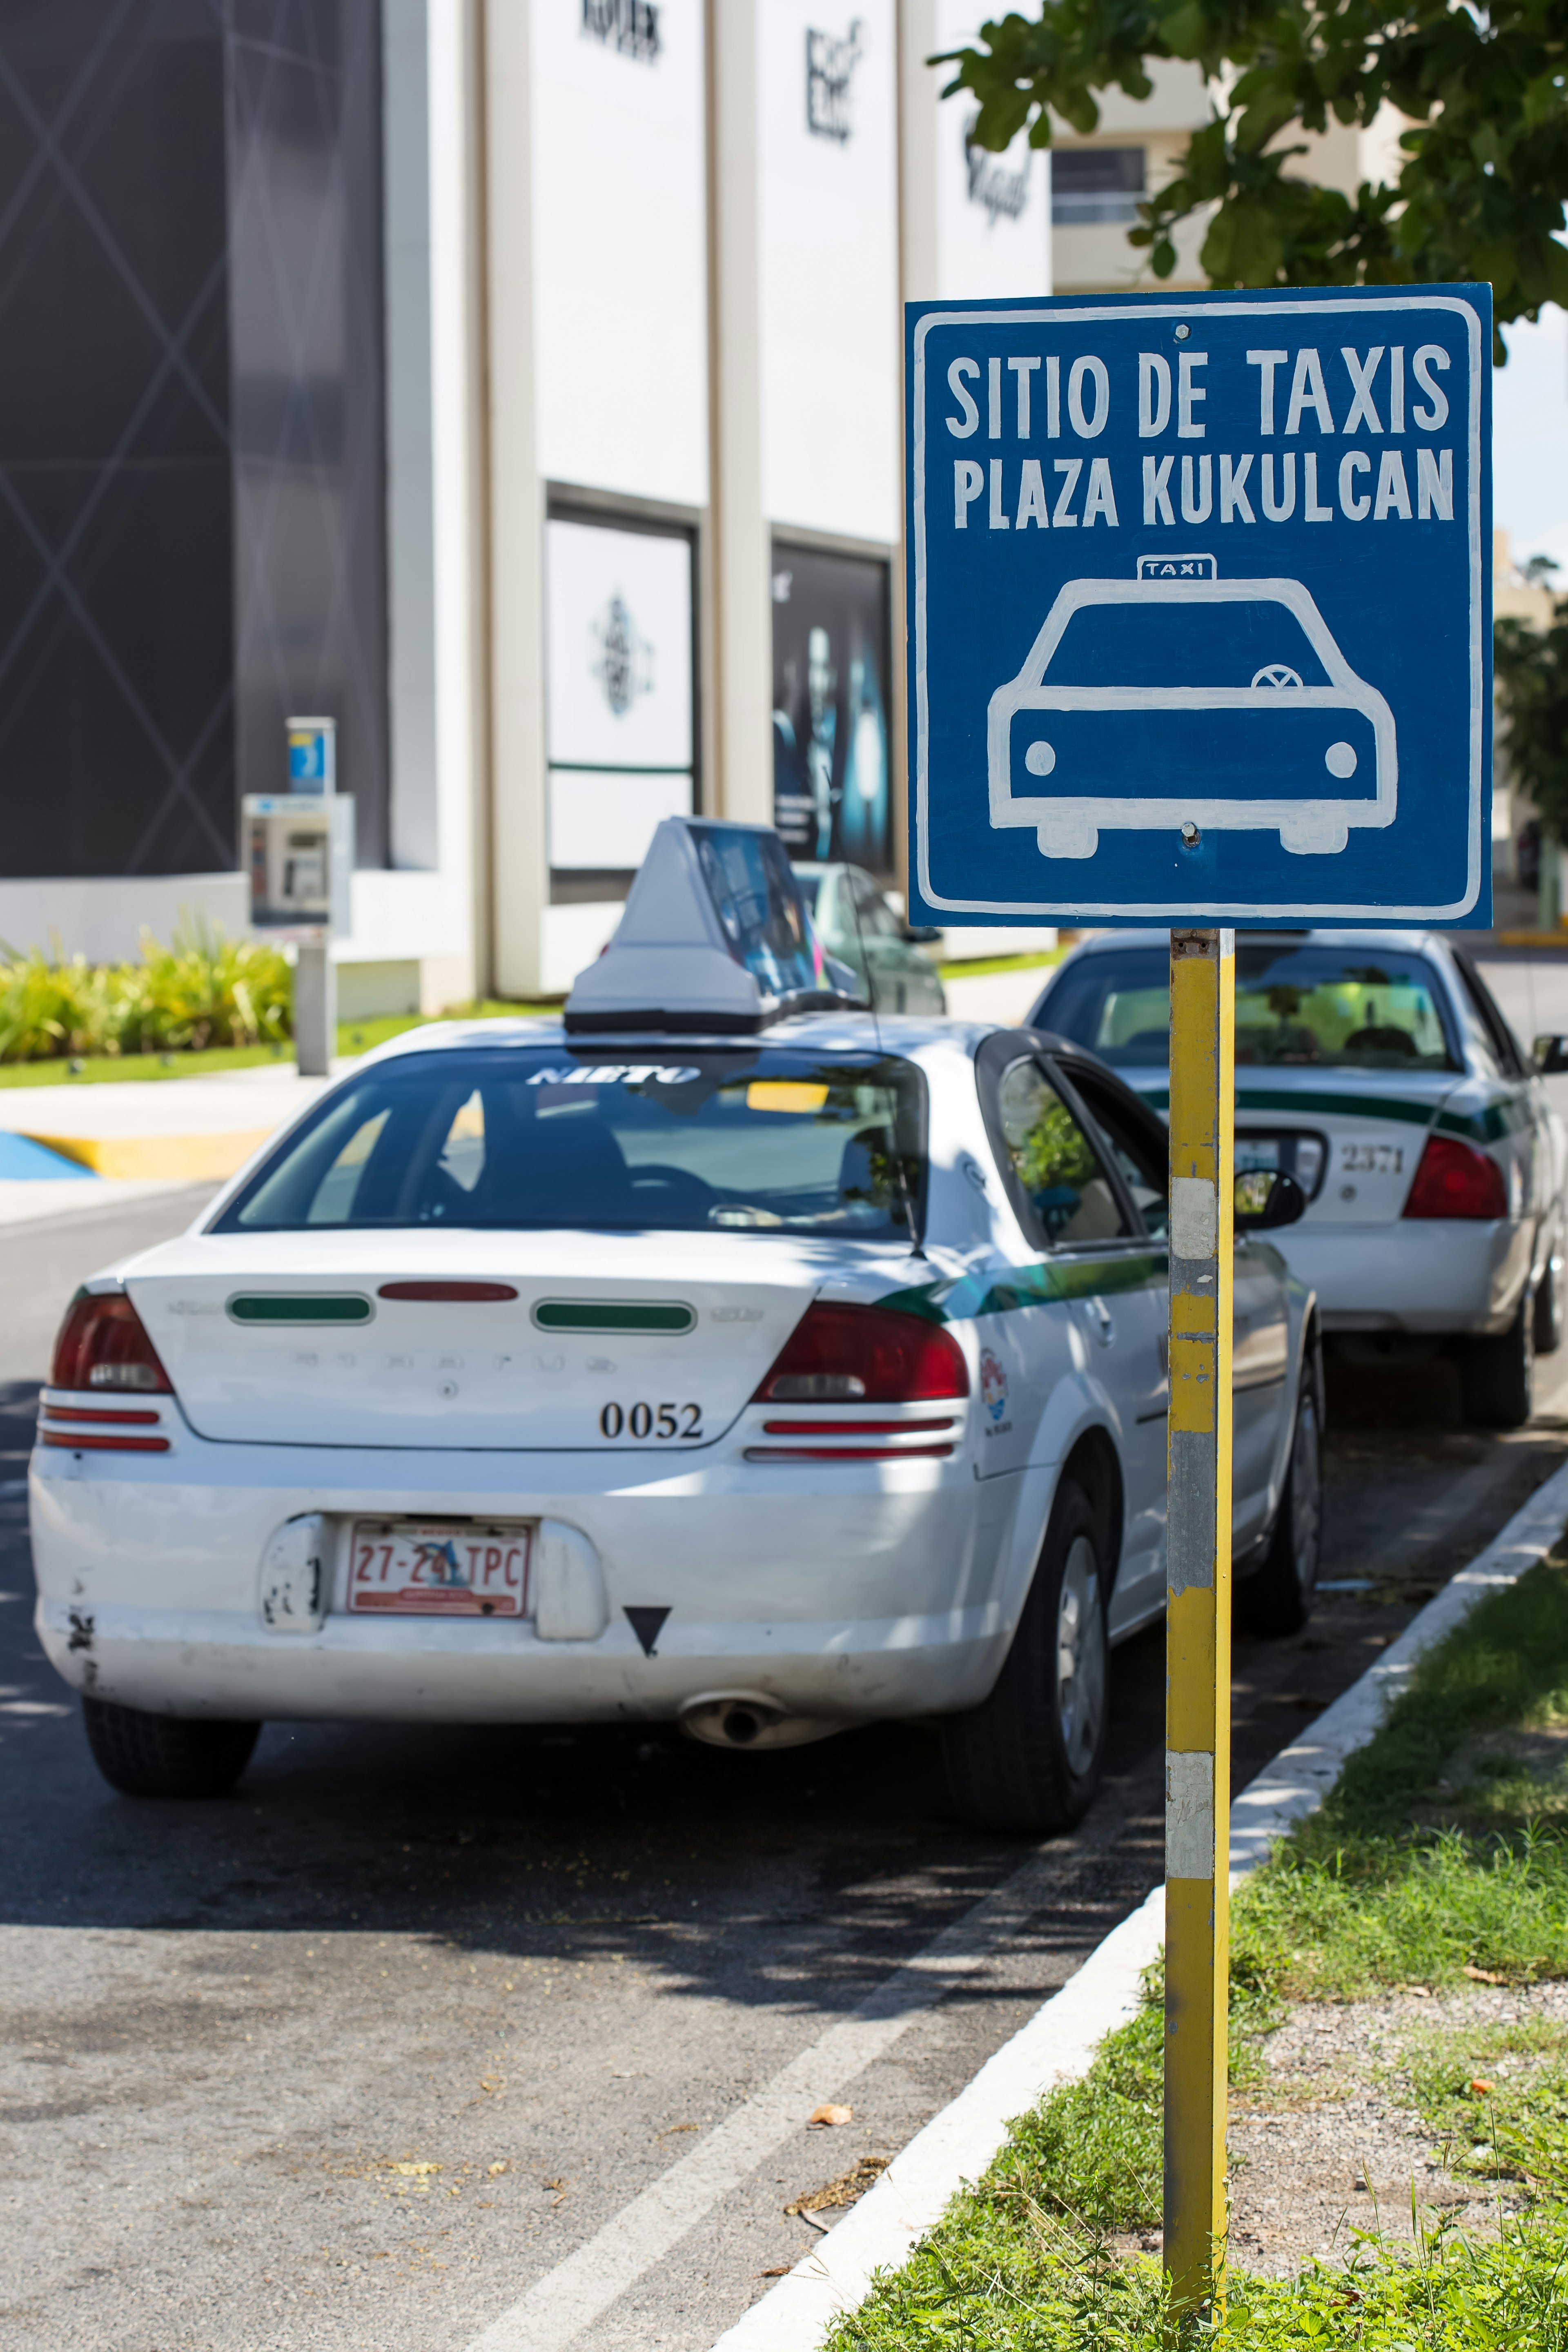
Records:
x=1303, y=1007
x=747, y=1140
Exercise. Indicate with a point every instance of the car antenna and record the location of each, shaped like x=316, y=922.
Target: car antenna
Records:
x=901, y=1173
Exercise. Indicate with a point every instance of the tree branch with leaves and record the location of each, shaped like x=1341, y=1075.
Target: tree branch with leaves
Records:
x=1484, y=169
x=1531, y=670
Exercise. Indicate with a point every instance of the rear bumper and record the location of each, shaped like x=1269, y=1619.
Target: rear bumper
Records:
x=1434, y=1274
x=837, y=1670
x=876, y=1593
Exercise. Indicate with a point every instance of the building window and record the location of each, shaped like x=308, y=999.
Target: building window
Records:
x=831, y=794
x=1091, y=184
x=620, y=707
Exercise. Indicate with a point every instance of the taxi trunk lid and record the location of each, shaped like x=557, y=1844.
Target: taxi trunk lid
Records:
x=1367, y=1131
x=461, y=1339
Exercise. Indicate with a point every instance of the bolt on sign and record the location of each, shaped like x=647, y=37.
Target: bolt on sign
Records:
x=1199, y=607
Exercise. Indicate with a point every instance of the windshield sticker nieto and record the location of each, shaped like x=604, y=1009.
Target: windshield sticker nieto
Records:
x=615, y=1073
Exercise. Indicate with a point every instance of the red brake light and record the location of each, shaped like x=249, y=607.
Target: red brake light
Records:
x=103, y=1345
x=1456, y=1179
x=865, y=1355
x=469, y=1291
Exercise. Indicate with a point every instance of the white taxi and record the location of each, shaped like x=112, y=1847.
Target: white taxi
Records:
x=763, y=1371
x=1376, y=1068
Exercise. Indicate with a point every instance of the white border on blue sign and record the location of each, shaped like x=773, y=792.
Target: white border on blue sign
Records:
x=1228, y=909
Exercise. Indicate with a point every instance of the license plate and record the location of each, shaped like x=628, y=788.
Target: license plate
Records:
x=434, y=1569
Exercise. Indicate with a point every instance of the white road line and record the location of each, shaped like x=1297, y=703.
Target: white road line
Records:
x=1058, y=2045
x=568, y=2299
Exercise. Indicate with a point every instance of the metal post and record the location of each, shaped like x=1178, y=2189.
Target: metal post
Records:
x=315, y=1008
x=1197, y=1637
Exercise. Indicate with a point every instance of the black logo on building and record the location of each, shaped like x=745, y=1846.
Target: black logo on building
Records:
x=1001, y=193
x=630, y=26
x=830, y=63
x=623, y=659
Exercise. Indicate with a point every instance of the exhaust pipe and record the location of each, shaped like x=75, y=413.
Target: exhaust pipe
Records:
x=748, y=1719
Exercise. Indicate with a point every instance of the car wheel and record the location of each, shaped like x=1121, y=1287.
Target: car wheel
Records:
x=1029, y=1758
x=165, y=1755
x=1277, y=1598
x=1497, y=1376
x=1550, y=1308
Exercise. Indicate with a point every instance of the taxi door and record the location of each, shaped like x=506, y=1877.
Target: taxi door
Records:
x=1260, y=1329
x=1101, y=1285
x=1135, y=1143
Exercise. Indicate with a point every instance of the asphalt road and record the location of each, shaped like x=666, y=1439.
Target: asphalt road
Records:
x=361, y=2058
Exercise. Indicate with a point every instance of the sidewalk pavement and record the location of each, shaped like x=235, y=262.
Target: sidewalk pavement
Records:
x=996, y=995
x=190, y=1130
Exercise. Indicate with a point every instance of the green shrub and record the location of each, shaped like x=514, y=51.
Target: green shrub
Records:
x=204, y=989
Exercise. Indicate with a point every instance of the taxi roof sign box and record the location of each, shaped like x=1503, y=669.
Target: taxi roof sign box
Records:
x=715, y=938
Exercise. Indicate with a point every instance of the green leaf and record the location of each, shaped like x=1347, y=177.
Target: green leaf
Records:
x=1243, y=247
x=1184, y=30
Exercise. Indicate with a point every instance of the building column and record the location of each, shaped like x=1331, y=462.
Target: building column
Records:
x=917, y=283
x=458, y=596
x=519, y=849
x=918, y=115
x=741, y=782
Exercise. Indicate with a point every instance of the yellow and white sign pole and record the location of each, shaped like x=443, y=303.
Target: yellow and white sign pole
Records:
x=1197, y=1638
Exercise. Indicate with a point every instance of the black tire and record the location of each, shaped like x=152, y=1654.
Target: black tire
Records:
x=1278, y=1597
x=165, y=1755
x=1497, y=1376
x=1551, y=1310
x=1028, y=1759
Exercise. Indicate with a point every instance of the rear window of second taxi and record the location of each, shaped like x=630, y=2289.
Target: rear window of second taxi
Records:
x=1307, y=1007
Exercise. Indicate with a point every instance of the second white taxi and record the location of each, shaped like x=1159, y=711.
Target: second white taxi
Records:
x=716, y=1355
x=1377, y=1069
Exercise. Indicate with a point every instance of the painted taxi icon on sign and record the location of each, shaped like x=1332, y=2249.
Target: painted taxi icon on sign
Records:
x=1178, y=700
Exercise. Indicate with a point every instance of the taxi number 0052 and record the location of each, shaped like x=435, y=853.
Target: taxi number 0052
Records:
x=651, y=1420
x=1373, y=1159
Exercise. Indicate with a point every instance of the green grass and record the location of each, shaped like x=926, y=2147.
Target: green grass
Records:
x=1515, y=2129
x=353, y=1037
x=94, y=1069
x=1441, y=1845
x=1438, y=1848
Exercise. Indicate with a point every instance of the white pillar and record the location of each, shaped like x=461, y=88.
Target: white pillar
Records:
x=315, y=1010
x=740, y=544
x=516, y=641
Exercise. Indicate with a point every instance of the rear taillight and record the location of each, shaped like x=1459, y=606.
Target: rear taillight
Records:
x=865, y=1355
x=1456, y=1179
x=103, y=1346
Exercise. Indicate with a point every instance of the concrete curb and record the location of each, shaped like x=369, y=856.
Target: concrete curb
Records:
x=1060, y=2038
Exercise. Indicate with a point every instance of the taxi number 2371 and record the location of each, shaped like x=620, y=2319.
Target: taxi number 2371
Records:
x=663, y=1420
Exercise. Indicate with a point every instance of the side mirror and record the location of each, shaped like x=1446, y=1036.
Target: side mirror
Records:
x=1549, y=1055
x=1267, y=1198
x=925, y=935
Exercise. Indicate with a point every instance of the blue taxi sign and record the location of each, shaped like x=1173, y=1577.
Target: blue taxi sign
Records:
x=1200, y=607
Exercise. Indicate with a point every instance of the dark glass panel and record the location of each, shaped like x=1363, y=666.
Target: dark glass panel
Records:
x=308, y=418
